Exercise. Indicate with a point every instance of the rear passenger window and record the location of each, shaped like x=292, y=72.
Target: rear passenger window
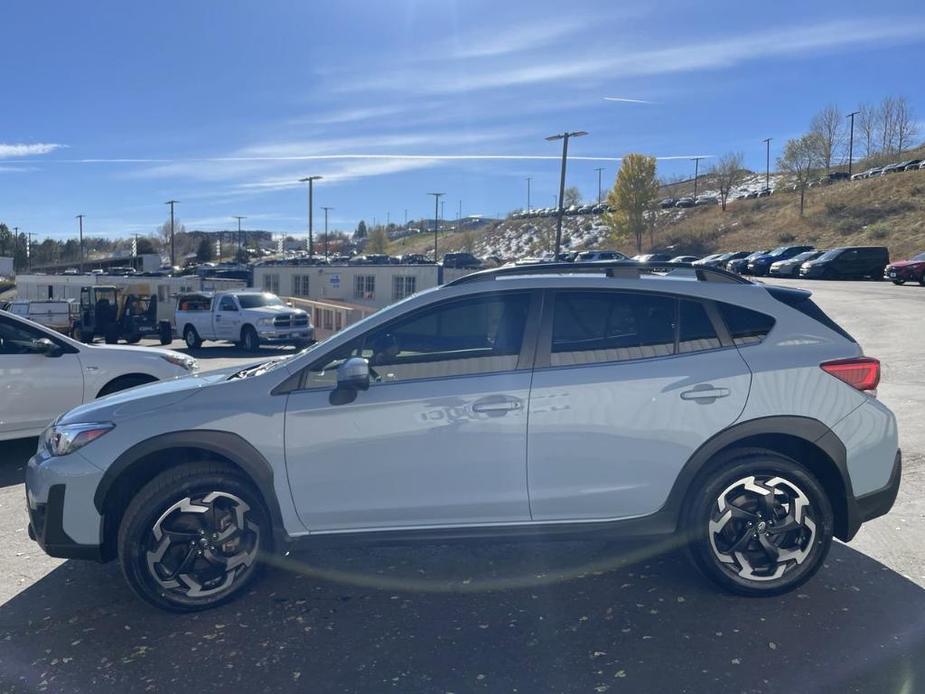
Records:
x=746, y=327
x=591, y=327
x=696, y=332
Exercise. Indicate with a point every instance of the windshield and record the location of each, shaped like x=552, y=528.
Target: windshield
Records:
x=828, y=255
x=258, y=300
x=808, y=255
x=920, y=256
x=778, y=251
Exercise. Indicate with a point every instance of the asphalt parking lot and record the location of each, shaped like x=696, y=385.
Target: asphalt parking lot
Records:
x=501, y=617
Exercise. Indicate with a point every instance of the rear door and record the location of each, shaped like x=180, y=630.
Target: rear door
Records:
x=626, y=387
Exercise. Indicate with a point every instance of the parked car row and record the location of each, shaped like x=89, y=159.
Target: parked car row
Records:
x=689, y=201
x=571, y=210
x=908, y=165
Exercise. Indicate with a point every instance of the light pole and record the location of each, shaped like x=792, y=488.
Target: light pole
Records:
x=240, y=239
x=28, y=251
x=565, y=138
x=437, y=197
x=529, y=178
x=851, y=142
x=80, y=221
x=326, y=230
x=311, y=242
x=767, y=163
x=696, y=161
x=459, y=217
x=599, y=170
x=173, y=255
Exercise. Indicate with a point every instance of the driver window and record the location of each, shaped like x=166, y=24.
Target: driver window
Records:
x=16, y=338
x=227, y=304
x=454, y=338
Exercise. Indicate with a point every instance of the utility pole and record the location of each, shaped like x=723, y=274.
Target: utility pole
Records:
x=80, y=220
x=406, y=217
x=459, y=217
x=311, y=242
x=851, y=142
x=173, y=253
x=767, y=163
x=696, y=161
x=529, y=178
x=240, y=238
x=326, y=230
x=565, y=138
x=28, y=250
x=599, y=170
x=437, y=197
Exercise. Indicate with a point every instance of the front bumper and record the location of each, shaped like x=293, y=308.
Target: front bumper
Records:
x=59, y=501
x=272, y=335
x=904, y=274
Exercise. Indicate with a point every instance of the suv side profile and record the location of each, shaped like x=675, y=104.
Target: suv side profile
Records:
x=680, y=404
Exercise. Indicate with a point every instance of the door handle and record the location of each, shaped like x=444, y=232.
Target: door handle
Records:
x=704, y=393
x=496, y=405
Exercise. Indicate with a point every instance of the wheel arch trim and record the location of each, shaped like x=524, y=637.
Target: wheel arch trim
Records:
x=225, y=444
x=805, y=429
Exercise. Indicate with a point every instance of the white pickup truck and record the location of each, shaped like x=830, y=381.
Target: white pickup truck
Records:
x=248, y=317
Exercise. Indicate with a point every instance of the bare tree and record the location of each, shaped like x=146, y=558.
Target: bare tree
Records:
x=866, y=123
x=801, y=159
x=904, y=123
x=728, y=173
x=828, y=128
x=886, y=125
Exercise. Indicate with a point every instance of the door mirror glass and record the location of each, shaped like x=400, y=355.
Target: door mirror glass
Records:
x=353, y=374
x=45, y=346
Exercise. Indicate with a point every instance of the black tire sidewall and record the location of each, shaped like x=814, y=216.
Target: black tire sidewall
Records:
x=191, y=337
x=147, y=507
x=704, y=496
x=249, y=339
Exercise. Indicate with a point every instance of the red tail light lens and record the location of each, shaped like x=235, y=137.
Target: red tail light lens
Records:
x=862, y=373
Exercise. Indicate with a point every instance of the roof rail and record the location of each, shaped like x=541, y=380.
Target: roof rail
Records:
x=625, y=269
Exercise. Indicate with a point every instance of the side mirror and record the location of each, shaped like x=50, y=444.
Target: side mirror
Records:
x=353, y=374
x=45, y=346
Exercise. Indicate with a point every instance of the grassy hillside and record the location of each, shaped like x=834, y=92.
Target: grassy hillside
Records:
x=887, y=211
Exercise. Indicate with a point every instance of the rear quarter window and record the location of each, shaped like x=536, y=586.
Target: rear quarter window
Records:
x=746, y=327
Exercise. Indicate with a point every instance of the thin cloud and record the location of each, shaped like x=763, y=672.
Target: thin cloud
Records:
x=516, y=39
x=624, y=100
x=702, y=55
x=27, y=150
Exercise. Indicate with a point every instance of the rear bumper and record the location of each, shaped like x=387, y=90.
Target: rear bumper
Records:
x=879, y=503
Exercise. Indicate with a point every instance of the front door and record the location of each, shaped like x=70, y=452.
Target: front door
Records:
x=228, y=320
x=439, y=439
x=34, y=388
x=627, y=386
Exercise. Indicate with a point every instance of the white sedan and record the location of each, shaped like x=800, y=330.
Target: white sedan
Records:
x=44, y=373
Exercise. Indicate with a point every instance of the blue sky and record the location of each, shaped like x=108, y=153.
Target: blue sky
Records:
x=110, y=108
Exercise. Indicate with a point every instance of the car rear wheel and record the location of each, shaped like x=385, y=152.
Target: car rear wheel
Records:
x=899, y=282
x=191, y=538
x=760, y=524
x=191, y=337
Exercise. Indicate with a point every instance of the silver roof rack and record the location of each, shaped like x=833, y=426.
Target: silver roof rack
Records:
x=624, y=269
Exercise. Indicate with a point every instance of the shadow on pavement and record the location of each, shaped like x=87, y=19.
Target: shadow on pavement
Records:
x=652, y=627
x=13, y=458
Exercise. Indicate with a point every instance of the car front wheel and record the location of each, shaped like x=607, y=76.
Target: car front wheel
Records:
x=760, y=524
x=191, y=538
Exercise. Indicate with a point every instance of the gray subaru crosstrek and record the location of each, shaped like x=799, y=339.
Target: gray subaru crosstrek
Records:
x=608, y=400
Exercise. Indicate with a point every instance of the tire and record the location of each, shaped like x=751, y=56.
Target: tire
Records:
x=250, y=341
x=755, y=486
x=112, y=336
x=899, y=282
x=165, y=333
x=124, y=383
x=922, y=280
x=133, y=339
x=189, y=570
x=191, y=337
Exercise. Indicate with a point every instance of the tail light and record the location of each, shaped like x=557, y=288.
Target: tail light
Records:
x=862, y=373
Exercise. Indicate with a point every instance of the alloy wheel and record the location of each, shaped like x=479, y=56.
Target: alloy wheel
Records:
x=201, y=545
x=761, y=527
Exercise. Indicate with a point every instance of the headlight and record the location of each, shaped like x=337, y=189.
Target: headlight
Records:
x=181, y=360
x=265, y=322
x=62, y=439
